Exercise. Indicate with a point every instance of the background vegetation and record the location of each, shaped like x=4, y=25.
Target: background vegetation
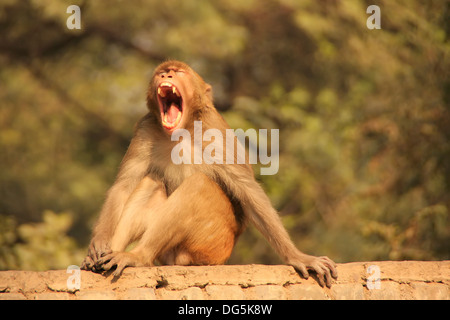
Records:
x=364, y=117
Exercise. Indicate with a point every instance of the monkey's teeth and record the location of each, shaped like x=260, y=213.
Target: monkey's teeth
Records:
x=161, y=93
x=173, y=124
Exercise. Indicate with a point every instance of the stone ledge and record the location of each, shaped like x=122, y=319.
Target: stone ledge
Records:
x=428, y=280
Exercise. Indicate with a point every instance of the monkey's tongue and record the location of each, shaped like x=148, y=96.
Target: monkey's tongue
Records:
x=172, y=116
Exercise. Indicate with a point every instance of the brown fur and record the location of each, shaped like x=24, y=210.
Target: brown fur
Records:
x=187, y=214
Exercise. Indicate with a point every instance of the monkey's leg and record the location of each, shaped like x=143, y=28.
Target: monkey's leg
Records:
x=132, y=223
x=196, y=224
x=104, y=230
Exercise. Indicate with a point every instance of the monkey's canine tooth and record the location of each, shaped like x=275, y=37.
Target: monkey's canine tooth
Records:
x=162, y=93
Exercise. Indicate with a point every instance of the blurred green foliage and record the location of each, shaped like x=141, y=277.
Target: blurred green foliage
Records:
x=364, y=117
x=38, y=246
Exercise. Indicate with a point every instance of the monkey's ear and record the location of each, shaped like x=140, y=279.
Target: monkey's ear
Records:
x=209, y=92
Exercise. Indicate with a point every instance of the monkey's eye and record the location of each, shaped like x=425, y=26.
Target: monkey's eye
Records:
x=178, y=72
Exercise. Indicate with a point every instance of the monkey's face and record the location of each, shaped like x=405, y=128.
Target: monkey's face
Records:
x=175, y=93
x=171, y=93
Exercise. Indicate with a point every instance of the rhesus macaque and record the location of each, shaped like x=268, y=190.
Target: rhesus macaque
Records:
x=184, y=214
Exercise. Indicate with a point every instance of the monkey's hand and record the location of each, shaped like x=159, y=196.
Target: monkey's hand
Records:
x=120, y=260
x=98, y=248
x=324, y=267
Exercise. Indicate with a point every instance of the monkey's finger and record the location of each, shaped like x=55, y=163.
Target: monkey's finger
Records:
x=323, y=273
x=96, y=254
x=87, y=263
x=320, y=276
x=333, y=269
x=102, y=250
x=300, y=267
x=110, y=265
x=328, y=277
x=334, y=273
x=330, y=265
x=119, y=270
x=105, y=256
x=104, y=259
x=92, y=252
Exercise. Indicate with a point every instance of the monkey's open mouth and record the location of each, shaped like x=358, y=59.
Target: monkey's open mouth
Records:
x=170, y=105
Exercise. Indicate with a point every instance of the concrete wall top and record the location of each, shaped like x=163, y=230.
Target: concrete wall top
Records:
x=378, y=280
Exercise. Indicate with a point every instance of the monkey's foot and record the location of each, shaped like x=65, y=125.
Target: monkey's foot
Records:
x=98, y=248
x=324, y=267
x=120, y=260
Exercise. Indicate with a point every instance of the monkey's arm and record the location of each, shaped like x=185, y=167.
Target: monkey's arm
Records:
x=105, y=226
x=265, y=218
x=259, y=210
x=134, y=166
